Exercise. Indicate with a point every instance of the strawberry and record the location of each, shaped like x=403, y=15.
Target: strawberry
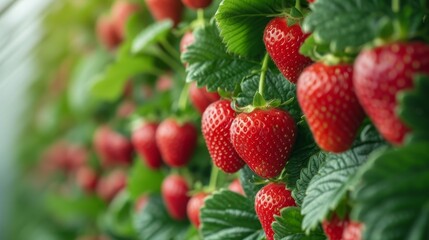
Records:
x=235, y=186
x=110, y=185
x=193, y=209
x=164, y=83
x=144, y=141
x=282, y=43
x=174, y=191
x=215, y=124
x=196, y=4
x=125, y=109
x=264, y=140
x=112, y=147
x=106, y=33
x=141, y=203
x=87, y=179
x=201, y=98
x=353, y=231
x=165, y=9
x=269, y=201
x=121, y=11
x=176, y=142
x=327, y=98
x=379, y=74
x=334, y=228
x=187, y=39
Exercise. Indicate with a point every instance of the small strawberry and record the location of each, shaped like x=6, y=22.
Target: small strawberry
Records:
x=110, y=185
x=106, y=33
x=176, y=142
x=144, y=141
x=196, y=4
x=141, y=203
x=193, y=209
x=353, y=231
x=327, y=98
x=264, y=140
x=379, y=74
x=201, y=98
x=269, y=201
x=215, y=124
x=87, y=179
x=235, y=186
x=165, y=9
x=282, y=43
x=187, y=39
x=174, y=191
x=121, y=11
x=164, y=82
x=334, y=228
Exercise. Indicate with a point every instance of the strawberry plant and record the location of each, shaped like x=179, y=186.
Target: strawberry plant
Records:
x=224, y=119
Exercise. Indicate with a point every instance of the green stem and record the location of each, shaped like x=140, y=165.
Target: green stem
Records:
x=264, y=70
x=170, y=62
x=396, y=5
x=170, y=49
x=200, y=15
x=183, y=98
x=298, y=5
x=213, y=178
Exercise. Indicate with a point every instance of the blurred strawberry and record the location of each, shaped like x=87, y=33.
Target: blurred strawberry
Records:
x=87, y=179
x=235, y=186
x=166, y=9
x=106, y=33
x=201, y=98
x=141, y=203
x=196, y=4
x=121, y=12
x=193, y=208
x=174, y=191
x=164, y=82
x=109, y=186
x=144, y=141
x=125, y=109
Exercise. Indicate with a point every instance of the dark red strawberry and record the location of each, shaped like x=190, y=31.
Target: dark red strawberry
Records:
x=106, y=33
x=174, y=191
x=379, y=74
x=87, y=179
x=264, y=140
x=201, y=98
x=327, y=98
x=196, y=4
x=141, y=203
x=282, y=43
x=112, y=147
x=334, y=228
x=165, y=9
x=193, y=209
x=176, y=142
x=269, y=201
x=235, y=186
x=144, y=141
x=215, y=124
x=121, y=11
x=353, y=231
x=110, y=185
x=311, y=1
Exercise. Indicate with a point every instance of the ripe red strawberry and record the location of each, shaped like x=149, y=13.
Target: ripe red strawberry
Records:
x=176, y=142
x=215, y=124
x=201, y=98
x=269, y=201
x=165, y=9
x=334, y=228
x=174, y=191
x=379, y=74
x=106, y=33
x=353, y=231
x=110, y=185
x=235, y=186
x=264, y=140
x=193, y=209
x=144, y=141
x=327, y=98
x=87, y=179
x=282, y=43
x=141, y=202
x=121, y=11
x=196, y=4
x=112, y=147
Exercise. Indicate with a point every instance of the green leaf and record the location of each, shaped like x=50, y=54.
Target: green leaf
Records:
x=84, y=74
x=154, y=33
x=247, y=180
x=314, y=164
x=143, y=180
x=110, y=84
x=303, y=150
x=242, y=23
x=153, y=222
x=228, y=215
x=116, y=220
x=210, y=65
x=276, y=87
x=336, y=177
x=393, y=199
x=346, y=25
x=288, y=226
x=413, y=109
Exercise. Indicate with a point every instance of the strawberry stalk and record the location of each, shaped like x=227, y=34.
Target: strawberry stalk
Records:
x=298, y=5
x=171, y=62
x=183, y=98
x=170, y=49
x=264, y=70
x=213, y=178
